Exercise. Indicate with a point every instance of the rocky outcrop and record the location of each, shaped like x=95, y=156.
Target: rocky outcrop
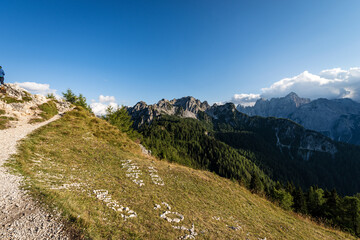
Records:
x=19, y=104
x=225, y=111
x=338, y=119
x=184, y=107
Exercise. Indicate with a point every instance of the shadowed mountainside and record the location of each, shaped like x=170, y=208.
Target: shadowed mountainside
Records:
x=338, y=119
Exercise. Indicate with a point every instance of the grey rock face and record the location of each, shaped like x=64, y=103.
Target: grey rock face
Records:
x=184, y=107
x=338, y=119
x=276, y=107
x=15, y=91
x=288, y=134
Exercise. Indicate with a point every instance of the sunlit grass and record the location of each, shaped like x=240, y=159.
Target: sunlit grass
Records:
x=48, y=110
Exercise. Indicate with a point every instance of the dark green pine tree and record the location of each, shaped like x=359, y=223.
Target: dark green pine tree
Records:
x=316, y=201
x=290, y=187
x=299, y=201
x=256, y=185
x=332, y=206
x=351, y=214
x=76, y=100
x=121, y=119
x=70, y=96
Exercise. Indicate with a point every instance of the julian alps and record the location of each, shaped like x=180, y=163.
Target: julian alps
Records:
x=282, y=148
x=276, y=107
x=183, y=107
x=338, y=119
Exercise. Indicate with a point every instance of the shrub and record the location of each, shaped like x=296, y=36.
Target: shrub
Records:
x=76, y=100
x=283, y=198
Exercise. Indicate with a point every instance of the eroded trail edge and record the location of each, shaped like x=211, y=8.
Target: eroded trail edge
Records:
x=20, y=216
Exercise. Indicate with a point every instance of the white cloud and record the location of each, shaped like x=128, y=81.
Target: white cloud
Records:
x=99, y=108
x=330, y=83
x=36, y=88
x=333, y=73
x=245, y=99
x=105, y=99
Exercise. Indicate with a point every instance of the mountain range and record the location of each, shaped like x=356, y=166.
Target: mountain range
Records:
x=282, y=148
x=338, y=119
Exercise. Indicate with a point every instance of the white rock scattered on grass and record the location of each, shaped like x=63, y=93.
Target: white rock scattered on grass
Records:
x=133, y=172
x=166, y=205
x=104, y=196
x=158, y=206
x=156, y=179
x=144, y=150
x=192, y=232
x=68, y=186
x=174, y=220
x=216, y=218
x=177, y=219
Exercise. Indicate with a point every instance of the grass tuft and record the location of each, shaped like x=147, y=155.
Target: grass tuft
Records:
x=5, y=122
x=8, y=100
x=48, y=109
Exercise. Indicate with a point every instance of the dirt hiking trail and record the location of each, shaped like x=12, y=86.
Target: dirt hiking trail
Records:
x=20, y=216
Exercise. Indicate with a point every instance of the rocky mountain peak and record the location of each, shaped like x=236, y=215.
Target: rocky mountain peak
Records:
x=183, y=107
x=140, y=105
x=191, y=104
x=282, y=107
x=226, y=107
x=293, y=97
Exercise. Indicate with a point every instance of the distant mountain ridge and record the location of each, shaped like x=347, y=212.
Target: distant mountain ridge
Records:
x=281, y=107
x=338, y=119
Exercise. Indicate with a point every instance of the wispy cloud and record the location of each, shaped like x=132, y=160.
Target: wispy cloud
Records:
x=330, y=83
x=36, y=88
x=245, y=99
x=105, y=99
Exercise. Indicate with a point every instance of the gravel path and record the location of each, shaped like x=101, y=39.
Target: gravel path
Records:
x=20, y=217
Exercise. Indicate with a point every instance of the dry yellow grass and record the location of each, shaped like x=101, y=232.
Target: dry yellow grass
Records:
x=85, y=153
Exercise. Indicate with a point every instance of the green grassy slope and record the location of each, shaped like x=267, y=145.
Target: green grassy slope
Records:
x=70, y=164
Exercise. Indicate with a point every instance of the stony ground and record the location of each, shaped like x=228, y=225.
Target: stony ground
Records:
x=20, y=216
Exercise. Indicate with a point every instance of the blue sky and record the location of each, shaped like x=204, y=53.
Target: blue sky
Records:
x=148, y=50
